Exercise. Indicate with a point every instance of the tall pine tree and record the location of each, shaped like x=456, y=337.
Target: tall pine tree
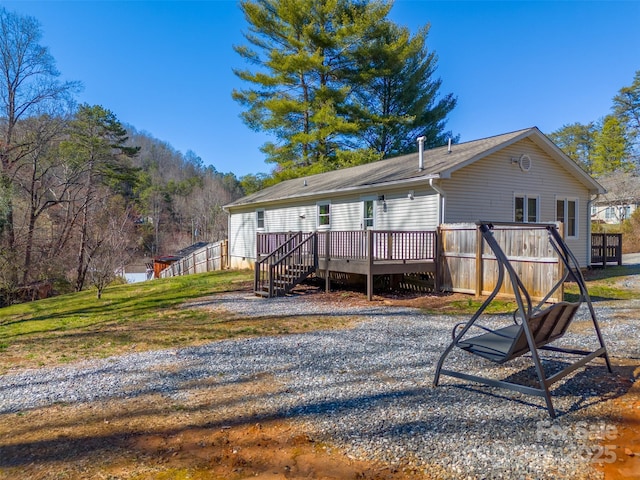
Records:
x=318, y=66
x=397, y=94
x=611, y=148
x=577, y=141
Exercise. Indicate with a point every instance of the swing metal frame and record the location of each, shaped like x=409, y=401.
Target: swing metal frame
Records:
x=534, y=327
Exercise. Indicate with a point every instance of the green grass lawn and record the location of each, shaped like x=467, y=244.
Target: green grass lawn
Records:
x=134, y=317
x=152, y=315
x=607, y=284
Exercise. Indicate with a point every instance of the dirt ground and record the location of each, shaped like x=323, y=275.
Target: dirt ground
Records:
x=625, y=462
x=217, y=434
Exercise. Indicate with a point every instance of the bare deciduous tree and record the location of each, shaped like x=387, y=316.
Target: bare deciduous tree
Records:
x=29, y=86
x=110, y=244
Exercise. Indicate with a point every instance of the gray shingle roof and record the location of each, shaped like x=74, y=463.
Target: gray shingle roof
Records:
x=438, y=163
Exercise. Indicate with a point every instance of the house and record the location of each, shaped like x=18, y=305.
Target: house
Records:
x=621, y=200
x=519, y=176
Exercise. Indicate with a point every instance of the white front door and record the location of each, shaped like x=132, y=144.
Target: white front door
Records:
x=368, y=213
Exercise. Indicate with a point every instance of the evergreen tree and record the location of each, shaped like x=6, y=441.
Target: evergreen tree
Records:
x=611, y=148
x=577, y=141
x=626, y=106
x=318, y=65
x=97, y=147
x=396, y=93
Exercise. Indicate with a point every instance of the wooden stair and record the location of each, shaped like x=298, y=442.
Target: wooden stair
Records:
x=288, y=265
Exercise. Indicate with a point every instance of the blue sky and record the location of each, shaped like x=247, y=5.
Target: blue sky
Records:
x=166, y=67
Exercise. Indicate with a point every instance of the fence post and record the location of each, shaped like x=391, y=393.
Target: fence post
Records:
x=619, y=251
x=479, y=265
x=437, y=252
x=256, y=276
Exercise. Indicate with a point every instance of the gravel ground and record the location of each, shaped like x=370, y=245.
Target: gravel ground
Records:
x=369, y=389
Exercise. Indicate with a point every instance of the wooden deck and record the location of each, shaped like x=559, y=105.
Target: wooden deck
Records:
x=364, y=252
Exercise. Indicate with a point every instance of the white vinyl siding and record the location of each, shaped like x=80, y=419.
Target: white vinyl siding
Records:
x=403, y=213
x=397, y=212
x=485, y=190
x=242, y=239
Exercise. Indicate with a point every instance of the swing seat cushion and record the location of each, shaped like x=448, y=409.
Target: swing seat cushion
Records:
x=496, y=345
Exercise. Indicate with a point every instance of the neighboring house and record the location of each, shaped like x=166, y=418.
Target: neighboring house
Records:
x=520, y=176
x=621, y=200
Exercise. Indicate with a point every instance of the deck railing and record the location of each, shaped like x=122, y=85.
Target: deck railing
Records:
x=605, y=248
x=384, y=245
x=378, y=245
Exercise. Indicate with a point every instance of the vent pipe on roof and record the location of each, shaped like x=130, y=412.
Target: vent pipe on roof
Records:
x=449, y=148
x=421, y=152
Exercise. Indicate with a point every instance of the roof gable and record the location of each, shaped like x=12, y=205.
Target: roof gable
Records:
x=438, y=163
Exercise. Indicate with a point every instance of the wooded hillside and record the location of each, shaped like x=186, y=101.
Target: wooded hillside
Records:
x=81, y=194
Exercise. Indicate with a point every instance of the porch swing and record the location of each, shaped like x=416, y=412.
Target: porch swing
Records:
x=533, y=328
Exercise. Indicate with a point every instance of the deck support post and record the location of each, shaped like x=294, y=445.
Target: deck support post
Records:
x=369, y=265
x=327, y=249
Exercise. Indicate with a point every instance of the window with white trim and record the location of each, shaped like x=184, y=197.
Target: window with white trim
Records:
x=260, y=219
x=567, y=213
x=526, y=208
x=609, y=213
x=324, y=215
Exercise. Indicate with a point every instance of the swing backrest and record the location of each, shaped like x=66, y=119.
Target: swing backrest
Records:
x=545, y=326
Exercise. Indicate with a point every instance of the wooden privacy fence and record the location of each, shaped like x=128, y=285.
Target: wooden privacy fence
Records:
x=605, y=248
x=467, y=265
x=209, y=258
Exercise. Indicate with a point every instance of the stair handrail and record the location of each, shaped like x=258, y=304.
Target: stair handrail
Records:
x=295, y=236
x=279, y=256
x=312, y=235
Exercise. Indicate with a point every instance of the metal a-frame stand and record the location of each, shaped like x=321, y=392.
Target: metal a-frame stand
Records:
x=534, y=326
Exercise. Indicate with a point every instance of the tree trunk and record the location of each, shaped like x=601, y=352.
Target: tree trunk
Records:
x=82, y=268
x=28, y=247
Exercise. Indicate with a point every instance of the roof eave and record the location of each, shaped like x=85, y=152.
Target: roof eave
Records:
x=323, y=193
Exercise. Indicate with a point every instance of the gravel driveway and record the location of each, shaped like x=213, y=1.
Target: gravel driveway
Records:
x=369, y=389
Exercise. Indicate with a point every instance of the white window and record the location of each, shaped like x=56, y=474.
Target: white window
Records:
x=260, y=219
x=567, y=213
x=324, y=215
x=525, y=208
x=609, y=213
